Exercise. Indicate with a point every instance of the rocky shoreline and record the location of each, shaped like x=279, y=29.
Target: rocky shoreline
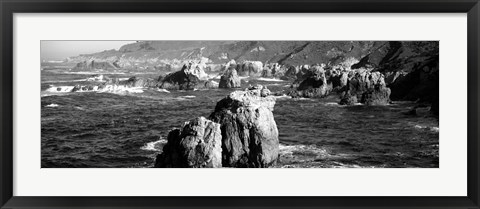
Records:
x=241, y=131
x=393, y=71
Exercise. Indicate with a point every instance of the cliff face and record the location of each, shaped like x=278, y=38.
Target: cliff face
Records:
x=150, y=54
x=146, y=54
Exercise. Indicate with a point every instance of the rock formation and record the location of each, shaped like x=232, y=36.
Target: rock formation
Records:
x=367, y=87
x=230, y=79
x=250, y=68
x=249, y=131
x=185, y=79
x=92, y=65
x=241, y=132
x=197, y=145
x=196, y=69
x=139, y=82
x=314, y=85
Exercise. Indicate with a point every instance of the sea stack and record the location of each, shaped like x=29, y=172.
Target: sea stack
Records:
x=185, y=79
x=229, y=79
x=367, y=87
x=249, y=131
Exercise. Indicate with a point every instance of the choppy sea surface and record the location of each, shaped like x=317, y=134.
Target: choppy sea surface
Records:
x=127, y=128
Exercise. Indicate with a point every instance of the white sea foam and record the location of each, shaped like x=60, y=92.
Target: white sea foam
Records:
x=286, y=150
x=95, y=78
x=332, y=104
x=163, y=90
x=116, y=89
x=119, y=89
x=154, y=146
x=283, y=97
x=189, y=96
x=94, y=73
x=55, y=61
x=60, y=89
x=66, y=81
x=52, y=105
x=270, y=79
x=432, y=129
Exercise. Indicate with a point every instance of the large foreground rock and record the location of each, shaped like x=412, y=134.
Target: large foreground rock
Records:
x=197, y=145
x=249, y=131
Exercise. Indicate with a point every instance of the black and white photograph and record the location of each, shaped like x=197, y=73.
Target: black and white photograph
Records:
x=239, y=104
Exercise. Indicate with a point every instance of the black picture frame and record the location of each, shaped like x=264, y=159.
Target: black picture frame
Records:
x=9, y=7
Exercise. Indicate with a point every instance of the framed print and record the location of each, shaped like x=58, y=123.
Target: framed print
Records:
x=265, y=104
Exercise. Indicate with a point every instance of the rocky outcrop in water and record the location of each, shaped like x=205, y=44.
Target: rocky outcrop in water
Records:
x=185, y=79
x=139, y=82
x=314, y=85
x=366, y=87
x=249, y=131
x=196, y=69
x=230, y=79
x=250, y=68
x=241, y=132
x=197, y=145
x=92, y=65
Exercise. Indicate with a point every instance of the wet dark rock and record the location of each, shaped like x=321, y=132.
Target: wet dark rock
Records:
x=197, y=145
x=249, y=131
x=348, y=99
x=77, y=88
x=422, y=82
x=378, y=95
x=140, y=82
x=180, y=80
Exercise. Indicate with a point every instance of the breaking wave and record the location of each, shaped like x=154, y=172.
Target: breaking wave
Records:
x=270, y=79
x=94, y=73
x=107, y=89
x=156, y=146
x=432, y=129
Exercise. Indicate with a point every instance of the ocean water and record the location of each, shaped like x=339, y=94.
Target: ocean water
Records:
x=127, y=128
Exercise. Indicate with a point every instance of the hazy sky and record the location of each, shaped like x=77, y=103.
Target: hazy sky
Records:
x=63, y=49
